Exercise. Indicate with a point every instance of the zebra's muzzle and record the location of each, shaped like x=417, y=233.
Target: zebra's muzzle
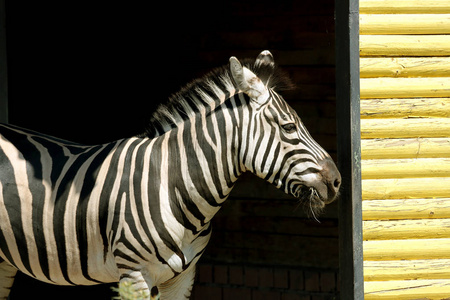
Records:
x=331, y=178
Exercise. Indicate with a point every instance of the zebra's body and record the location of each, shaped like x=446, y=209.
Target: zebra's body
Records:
x=139, y=209
x=92, y=209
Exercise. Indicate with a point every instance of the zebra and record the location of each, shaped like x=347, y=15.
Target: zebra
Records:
x=138, y=210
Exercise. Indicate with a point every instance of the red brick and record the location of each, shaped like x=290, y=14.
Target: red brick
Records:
x=266, y=277
x=236, y=294
x=236, y=275
x=207, y=292
x=265, y=295
x=280, y=278
x=292, y=296
x=328, y=282
x=251, y=277
x=312, y=283
x=220, y=274
x=296, y=280
x=205, y=273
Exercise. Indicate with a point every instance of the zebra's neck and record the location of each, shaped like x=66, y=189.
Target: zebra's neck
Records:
x=202, y=164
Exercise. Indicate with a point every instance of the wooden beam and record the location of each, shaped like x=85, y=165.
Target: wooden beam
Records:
x=431, y=87
x=405, y=45
x=405, y=108
x=406, y=269
x=372, y=67
x=407, y=290
x=408, y=188
x=407, y=249
x=405, y=168
x=398, y=209
x=405, y=128
x=349, y=149
x=404, y=7
x=405, y=148
x=406, y=229
x=404, y=24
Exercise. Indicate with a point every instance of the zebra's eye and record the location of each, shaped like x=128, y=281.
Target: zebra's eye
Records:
x=289, y=128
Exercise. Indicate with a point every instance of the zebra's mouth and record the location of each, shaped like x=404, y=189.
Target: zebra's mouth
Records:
x=309, y=194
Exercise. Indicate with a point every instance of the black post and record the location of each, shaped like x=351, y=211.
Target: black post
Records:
x=3, y=66
x=349, y=149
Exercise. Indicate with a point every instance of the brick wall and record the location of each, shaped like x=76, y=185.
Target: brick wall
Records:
x=268, y=227
x=243, y=282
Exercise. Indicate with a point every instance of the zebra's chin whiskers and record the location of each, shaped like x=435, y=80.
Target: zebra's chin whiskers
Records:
x=316, y=204
x=310, y=200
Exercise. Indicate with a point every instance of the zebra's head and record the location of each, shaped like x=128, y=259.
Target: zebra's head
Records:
x=276, y=145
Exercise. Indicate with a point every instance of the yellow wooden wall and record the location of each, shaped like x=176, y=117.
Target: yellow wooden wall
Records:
x=405, y=148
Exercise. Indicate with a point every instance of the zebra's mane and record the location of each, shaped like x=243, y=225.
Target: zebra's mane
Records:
x=206, y=92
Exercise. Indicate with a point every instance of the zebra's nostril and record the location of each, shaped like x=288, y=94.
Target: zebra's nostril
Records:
x=331, y=175
x=337, y=183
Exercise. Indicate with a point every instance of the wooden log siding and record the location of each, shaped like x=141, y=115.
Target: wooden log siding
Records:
x=405, y=45
x=409, y=188
x=406, y=209
x=407, y=229
x=407, y=269
x=405, y=168
x=385, y=250
x=404, y=7
x=405, y=87
x=407, y=289
x=405, y=128
x=405, y=147
x=405, y=24
x=404, y=67
x=406, y=108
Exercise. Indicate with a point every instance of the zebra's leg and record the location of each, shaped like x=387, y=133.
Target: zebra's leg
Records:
x=134, y=286
x=180, y=287
x=7, y=273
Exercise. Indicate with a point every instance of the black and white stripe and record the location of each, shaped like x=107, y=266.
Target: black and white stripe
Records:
x=139, y=209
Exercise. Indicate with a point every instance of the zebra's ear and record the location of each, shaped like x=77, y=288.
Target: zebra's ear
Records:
x=237, y=71
x=264, y=60
x=248, y=82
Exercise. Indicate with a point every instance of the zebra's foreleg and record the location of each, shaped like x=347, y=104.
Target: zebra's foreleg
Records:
x=7, y=273
x=133, y=286
x=180, y=287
